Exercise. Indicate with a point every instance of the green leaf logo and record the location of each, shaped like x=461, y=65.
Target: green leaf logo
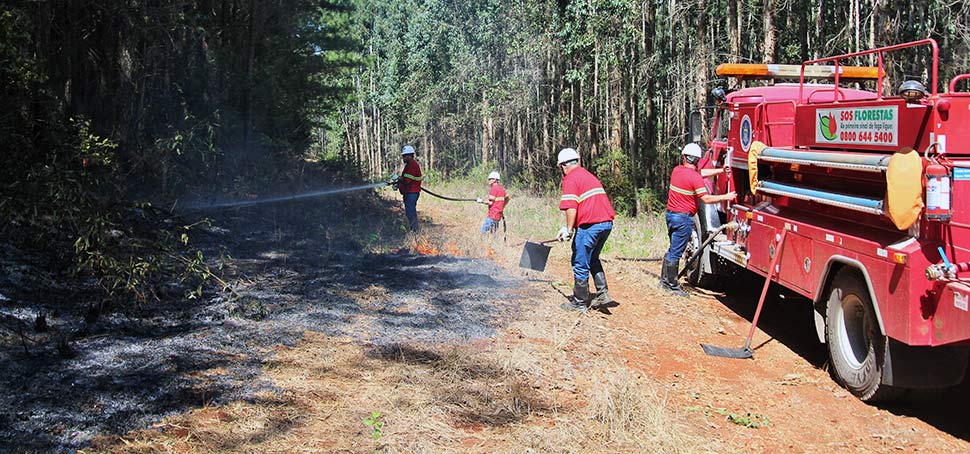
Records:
x=828, y=126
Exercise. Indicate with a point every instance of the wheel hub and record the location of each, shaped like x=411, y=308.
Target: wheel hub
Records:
x=692, y=246
x=853, y=331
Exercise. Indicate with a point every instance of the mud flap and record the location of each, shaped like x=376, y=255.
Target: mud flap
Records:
x=924, y=367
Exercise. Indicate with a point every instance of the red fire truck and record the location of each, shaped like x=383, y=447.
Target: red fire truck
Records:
x=866, y=196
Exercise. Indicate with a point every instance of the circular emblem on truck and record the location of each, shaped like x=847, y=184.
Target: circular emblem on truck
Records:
x=745, y=133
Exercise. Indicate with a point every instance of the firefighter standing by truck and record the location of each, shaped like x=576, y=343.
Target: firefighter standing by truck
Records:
x=410, y=186
x=686, y=186
x=497, y=197
x=589, y=212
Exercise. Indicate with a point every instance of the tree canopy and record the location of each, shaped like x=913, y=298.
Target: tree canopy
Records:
x=114, y=103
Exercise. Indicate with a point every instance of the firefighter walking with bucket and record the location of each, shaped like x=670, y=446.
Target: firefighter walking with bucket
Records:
x=686, y=186
x=590, y=214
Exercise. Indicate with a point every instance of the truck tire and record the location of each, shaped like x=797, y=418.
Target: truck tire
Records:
x=857, y=350
x=696, y=276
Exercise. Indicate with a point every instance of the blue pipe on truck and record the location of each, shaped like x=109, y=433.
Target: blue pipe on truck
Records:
x=850, y=202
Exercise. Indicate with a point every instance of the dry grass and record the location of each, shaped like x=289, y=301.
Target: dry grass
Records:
x=489, y=398
x=629, y=410
x=540, y=387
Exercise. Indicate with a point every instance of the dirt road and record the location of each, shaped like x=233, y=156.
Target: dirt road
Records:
x=786, y=384
x=439, y=343
x=785, y=389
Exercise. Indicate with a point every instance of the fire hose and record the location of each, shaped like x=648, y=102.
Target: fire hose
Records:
x=453, y=199
x=505, y=229
x=707, y=242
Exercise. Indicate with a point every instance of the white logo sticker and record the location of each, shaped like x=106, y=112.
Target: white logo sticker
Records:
x=960, y=301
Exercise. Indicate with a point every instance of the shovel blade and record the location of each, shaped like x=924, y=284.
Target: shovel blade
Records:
x=726, y=352
x=534, y=256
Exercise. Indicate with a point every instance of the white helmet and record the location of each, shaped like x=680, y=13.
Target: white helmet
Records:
x=493, y=176
x=407, y=150
x=566, y=155
x=692, y=150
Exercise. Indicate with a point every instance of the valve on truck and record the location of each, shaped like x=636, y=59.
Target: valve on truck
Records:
x=938, y=193
x=947, y=269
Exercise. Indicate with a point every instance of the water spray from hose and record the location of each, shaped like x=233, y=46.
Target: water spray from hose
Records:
x=286, y=198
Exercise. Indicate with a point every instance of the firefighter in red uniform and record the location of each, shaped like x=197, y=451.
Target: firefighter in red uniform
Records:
x=496, y=204
x=410, y=186
x=686, y=186
x=588, y=211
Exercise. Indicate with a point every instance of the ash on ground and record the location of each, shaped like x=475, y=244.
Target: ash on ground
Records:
x=127, y=371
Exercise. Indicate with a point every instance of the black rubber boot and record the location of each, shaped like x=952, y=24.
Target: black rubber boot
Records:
x=578, y=302
x=669, y=281
x=601, y=298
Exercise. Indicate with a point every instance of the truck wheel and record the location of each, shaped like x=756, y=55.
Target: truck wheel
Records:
x=696, y=276
x=857, y=349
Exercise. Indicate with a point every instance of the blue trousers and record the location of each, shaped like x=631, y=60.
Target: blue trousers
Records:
x=679, y=227
x=411, y=209
x=587, y=244
x=489, y=226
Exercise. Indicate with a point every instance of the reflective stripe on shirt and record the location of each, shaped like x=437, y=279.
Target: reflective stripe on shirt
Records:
x=698, y=191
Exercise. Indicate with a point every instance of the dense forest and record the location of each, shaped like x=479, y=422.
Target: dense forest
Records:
x=111, y=105
x=513, y=82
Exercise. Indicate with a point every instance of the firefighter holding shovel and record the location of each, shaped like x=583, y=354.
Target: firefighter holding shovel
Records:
x=686, y=186
x=589, y=214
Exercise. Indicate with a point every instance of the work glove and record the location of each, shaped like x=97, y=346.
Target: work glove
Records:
x=563, y=234
x=394, y=181
x=478, y=200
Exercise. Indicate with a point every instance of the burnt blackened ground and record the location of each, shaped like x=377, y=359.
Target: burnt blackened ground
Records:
x=294, y=267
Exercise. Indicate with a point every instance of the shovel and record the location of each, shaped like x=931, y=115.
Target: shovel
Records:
x=535, y=255
x=745, y=351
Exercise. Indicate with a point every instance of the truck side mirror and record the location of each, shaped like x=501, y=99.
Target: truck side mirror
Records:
x=697, y=126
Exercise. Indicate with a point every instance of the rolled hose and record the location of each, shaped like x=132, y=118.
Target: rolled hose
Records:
x=707, y=242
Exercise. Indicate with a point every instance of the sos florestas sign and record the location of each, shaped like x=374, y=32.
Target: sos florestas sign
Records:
x=858, y=126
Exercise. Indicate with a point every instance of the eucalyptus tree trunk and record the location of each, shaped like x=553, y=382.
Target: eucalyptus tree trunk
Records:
x=768, y=56
x=734, y=29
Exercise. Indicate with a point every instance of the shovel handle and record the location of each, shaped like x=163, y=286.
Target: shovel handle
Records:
x=537, y=242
